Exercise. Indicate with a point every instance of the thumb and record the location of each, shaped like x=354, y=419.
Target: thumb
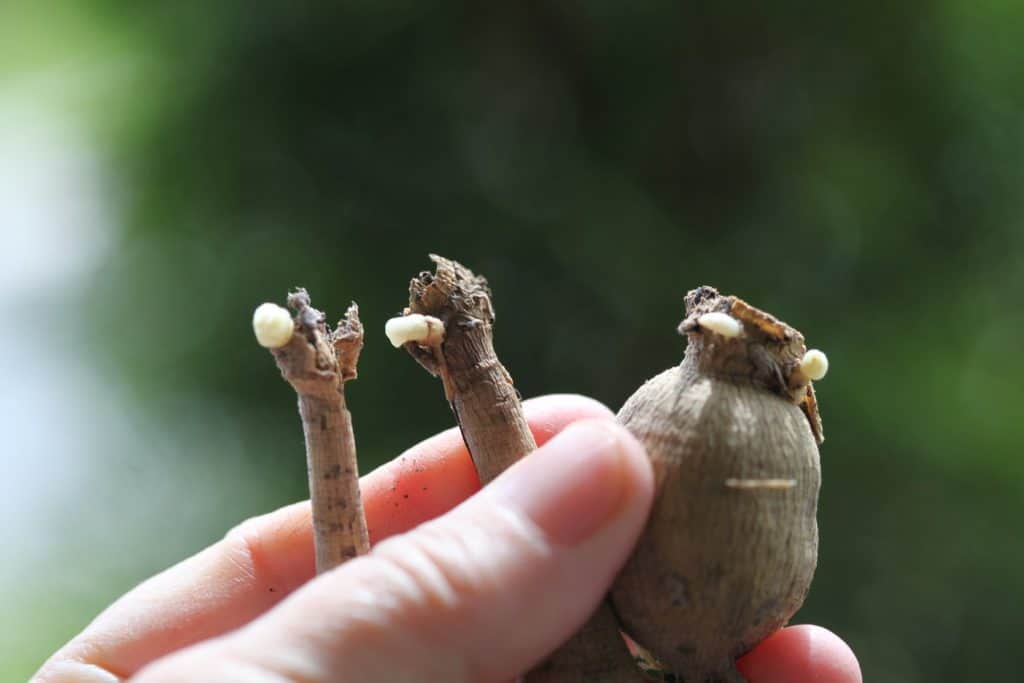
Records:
x=481, y=593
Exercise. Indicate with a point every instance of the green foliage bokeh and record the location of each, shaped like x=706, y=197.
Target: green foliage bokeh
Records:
x=855, y=169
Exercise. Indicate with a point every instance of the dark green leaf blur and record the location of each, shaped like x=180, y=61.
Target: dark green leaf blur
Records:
x=857, y=169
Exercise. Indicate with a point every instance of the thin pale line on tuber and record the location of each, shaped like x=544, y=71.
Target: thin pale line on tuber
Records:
x=760, y=483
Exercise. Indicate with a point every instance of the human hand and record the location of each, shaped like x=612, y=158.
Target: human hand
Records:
x=471, y=585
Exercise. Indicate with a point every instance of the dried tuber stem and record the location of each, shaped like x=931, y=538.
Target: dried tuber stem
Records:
x=317, y=363
x=477, y=385
x=487, y=409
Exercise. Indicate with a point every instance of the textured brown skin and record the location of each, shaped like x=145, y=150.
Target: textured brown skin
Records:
x=478, y=387
x=317, y=363
x=488, y=411
x=596, y=654
x=718, y=568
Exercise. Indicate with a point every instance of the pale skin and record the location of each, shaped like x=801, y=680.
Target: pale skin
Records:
x=470, y=585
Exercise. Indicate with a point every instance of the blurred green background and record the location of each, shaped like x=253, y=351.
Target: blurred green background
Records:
x=857, y=169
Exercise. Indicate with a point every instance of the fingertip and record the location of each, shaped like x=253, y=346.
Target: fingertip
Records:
x=582, y=406
x=550, y=414
x=801, y=653
x=635, y=458
x=634, y=465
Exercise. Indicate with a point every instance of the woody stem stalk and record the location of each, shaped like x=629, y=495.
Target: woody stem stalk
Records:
x=488, y=411
x=317, y=363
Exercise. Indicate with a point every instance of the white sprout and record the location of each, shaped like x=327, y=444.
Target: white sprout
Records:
x=273, y=325
x=422, y=329
x=721, y=323
x=814, y=365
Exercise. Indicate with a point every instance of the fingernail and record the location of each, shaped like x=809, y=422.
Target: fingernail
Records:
x=574, y=485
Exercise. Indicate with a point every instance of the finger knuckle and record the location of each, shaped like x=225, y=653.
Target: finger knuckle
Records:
x=243, y=545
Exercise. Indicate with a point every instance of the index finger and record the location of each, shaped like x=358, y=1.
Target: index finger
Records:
x=262, y=560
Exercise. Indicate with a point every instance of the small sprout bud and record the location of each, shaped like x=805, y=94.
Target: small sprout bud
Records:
x=814, y=365
x=422, y=329
x=721, y=323
x=273, y=325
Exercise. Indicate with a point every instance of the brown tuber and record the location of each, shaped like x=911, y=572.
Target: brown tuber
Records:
x=731, y=545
